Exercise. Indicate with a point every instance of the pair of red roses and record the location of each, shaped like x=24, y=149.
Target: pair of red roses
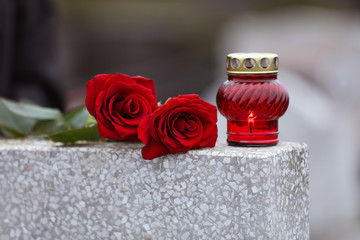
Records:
x=126, y=109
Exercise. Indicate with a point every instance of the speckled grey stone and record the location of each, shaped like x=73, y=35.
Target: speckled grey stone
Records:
x=107, y=191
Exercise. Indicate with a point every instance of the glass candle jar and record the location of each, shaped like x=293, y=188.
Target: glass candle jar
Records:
x=252, y=99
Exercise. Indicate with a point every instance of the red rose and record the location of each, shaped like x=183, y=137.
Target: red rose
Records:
x=119, y=103
x=183, y=123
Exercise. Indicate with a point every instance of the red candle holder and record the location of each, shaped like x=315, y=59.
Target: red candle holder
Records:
x=252, y=99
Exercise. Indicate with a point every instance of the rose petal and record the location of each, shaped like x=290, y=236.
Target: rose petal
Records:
x=210, y=132
x=125, y=131
x=119, y=103
x=211, y=140
x=125, y=89
x=192, y=127
x=99, y=110
x=106, y=132
x=154, y=130
x=179, y=124
x=119, y=79
x=106, y=108
x=153, y=150
x=167, y=136
x=189, y=96
x=148, y=83
x=183, y=123
x=131, y=108
x=198, y=101
x=126, y=92
x=190, y=139
x=93, y=88
x=124, y=114
x=143, y=129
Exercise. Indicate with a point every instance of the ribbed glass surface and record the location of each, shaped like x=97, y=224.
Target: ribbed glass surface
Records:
x=252, y=104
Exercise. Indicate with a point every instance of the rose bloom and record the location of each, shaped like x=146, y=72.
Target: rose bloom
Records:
x=183, y=123
x=119, y=103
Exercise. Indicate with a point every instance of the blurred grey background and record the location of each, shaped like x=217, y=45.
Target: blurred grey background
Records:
x=182, y=45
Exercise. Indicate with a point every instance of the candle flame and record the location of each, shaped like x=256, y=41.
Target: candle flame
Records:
x=251, y=121
x=251, y=117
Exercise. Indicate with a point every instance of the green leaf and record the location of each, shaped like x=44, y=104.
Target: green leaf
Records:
x=29, y=110
x=10, y=132
x=77, y=118
x=74, y=135
x=167, y=100
x=91, y=121
x=11, y=123
x=46, y=127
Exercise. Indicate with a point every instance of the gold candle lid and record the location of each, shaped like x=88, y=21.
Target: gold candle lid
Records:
x=252, y=63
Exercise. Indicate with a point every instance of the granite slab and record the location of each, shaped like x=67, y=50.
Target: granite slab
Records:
x=107, y=191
